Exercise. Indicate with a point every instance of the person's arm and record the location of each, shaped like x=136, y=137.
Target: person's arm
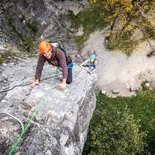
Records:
x=62, y=63
x=35, y=83
x=63, y=84
x=39, y=68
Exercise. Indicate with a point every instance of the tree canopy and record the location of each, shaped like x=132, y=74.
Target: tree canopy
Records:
x=124, y=17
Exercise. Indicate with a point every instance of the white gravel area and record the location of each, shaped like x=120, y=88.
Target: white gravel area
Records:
x=117, y=71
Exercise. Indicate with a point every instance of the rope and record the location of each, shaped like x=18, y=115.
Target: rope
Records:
x=14, y=118
x=25, y=84
x=33, y=115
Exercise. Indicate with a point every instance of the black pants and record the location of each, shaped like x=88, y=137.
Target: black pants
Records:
x=69, y=77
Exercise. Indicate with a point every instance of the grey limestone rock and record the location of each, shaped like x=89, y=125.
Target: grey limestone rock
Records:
x=62, y=118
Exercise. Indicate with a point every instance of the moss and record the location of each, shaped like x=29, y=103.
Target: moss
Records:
x=2, y=60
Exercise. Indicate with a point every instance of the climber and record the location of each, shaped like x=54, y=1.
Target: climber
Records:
x=54, y=56
x=92, y=57
x=91, y=62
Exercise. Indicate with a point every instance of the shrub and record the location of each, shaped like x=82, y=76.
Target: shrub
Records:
x=1, y=60
x=113, y=130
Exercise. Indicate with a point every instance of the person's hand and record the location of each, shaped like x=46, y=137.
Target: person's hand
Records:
x=35, y=83
x=62, y=85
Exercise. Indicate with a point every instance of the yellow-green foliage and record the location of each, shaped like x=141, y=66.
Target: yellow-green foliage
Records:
x=123, y=14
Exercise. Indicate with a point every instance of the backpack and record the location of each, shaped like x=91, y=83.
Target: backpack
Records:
x=62, y=48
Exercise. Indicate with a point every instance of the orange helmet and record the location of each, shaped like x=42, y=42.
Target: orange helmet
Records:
x=44, y=46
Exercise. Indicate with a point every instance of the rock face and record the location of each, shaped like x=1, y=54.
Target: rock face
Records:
x=62, y=118
x=28, y=21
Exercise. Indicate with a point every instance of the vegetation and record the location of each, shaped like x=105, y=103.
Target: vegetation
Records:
x=90, y=20
x=124, y=17
x=1, y=59
x=5, y=55
x=123, y=125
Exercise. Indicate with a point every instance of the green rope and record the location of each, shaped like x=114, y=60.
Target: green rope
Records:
x=56, y=72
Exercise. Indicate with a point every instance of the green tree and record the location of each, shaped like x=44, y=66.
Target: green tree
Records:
x=114, y=130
